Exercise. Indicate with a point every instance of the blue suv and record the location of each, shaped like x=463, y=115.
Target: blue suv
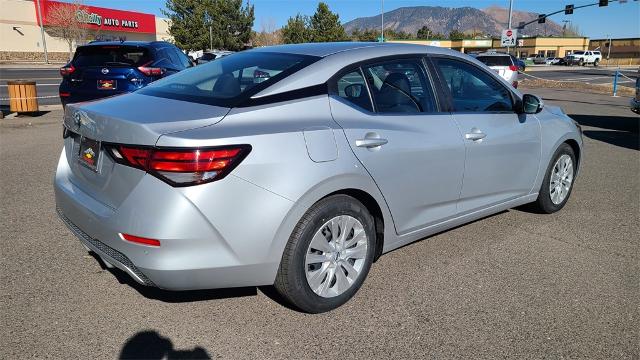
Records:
x=107, y=68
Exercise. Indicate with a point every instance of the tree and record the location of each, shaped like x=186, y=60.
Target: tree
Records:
x=456, y=35
x=424, y=33
x=191, y=20
x=268, y=34
x=297, y=30
x=67, y=22
x=325, y=25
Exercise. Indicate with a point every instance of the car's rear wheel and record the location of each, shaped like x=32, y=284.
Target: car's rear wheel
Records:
x=581, y=62
x=328, y=255
x=558, y=181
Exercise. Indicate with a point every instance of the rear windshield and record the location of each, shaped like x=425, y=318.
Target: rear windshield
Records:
x=495, y=60
x=111, y=55
x=229, y=80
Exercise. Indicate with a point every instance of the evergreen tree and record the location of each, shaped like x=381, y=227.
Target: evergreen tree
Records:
x=325, y=25
x=297, y=30
x=230, y=23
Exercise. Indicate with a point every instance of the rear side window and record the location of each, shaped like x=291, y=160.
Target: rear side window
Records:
x=228, y=80
x=400, y=86
x=111, y=55
x=472, y=89
x=495, y=60
x=352, y=87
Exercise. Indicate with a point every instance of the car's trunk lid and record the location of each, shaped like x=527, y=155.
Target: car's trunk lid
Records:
x=132, y=119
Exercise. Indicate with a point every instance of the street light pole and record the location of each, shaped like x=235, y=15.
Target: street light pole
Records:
x=210, y=38
x=44, y=41
x=609, y=47
x=509, y=27
x=382, y=23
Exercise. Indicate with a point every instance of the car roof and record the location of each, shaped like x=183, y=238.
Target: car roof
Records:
x=127, y=43
x=493, y=54
x=331, y=48
x=336, y=56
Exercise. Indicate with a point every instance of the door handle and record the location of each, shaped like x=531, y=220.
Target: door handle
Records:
x=370, y=142
x=475, y=135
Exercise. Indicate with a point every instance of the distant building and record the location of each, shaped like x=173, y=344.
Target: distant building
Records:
x=20, y=28
x=623, y=51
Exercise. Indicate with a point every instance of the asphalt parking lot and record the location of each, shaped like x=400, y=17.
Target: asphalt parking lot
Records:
x=516, y=284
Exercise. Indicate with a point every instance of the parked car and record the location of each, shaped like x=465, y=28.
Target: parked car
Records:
x=212, y=55
x=553, y=60
x=503, y=64
x=635, y=101
x=522, y=66
x=583, y=58
x=347, y=151
x=539, y=59
x=102, y=69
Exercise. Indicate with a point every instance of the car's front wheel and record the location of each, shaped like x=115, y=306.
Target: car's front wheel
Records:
x=328, y=255
x=596, y=63
x=558, y=181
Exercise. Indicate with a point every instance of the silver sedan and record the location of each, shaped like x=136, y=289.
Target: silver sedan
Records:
x=299, y=165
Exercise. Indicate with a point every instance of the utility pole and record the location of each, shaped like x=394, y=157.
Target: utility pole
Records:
x=609, y=47
x=44, y=41
x=210, y=38
x=509, y=27
x=382, y=24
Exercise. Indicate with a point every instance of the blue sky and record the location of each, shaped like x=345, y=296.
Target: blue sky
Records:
x=619, y=20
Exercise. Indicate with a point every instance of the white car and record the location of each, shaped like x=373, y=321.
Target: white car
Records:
x=553, y=61
x=583, y=58
x=503, y=64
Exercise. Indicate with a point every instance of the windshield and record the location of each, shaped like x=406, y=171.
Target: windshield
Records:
x=111, y=55
x=495, y=60
x=230, y=79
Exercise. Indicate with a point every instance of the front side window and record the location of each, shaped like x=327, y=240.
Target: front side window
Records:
x=472, y=89
x=400, y=86
x=352, y=87
x=228, y=80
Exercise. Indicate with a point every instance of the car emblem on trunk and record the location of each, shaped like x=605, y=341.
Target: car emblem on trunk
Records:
x=105, y=71
x=77, y=119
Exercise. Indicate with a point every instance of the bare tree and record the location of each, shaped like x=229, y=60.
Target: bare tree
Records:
x=68, y=22
x=268, y=35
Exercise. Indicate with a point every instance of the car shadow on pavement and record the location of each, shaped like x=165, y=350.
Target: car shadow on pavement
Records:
x=629, y=123
x=617, y=130
x=150, y=345
x=176, y=296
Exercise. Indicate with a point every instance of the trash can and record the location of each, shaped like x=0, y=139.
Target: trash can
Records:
x=22, y=96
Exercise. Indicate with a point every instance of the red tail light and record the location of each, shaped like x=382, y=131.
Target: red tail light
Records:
x=513, y=68
x=515, y=84
x=64, y=94
x=150, y=71
x=67, y=70
x=182, y=167
x=140, y=240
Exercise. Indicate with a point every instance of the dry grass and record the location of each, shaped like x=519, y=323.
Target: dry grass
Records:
x=595, y=88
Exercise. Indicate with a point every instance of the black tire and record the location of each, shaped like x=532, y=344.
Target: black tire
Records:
x=291, y=281
x=581, y=62
x=596, y=63
x=543, y=203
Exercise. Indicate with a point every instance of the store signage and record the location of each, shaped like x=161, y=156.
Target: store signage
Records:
x=104, y=19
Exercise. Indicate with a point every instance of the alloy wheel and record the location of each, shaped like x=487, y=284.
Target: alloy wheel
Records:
x=561, y=179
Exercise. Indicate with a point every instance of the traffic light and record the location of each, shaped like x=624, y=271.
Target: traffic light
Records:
x=603, y=3
x=568, y=10
x=542, y=18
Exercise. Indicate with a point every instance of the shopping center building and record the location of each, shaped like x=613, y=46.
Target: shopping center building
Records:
x=21, y=38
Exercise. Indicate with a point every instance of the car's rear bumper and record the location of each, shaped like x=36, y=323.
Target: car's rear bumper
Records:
x=205, y=239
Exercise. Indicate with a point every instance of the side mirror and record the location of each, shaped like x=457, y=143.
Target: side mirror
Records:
x=354, y=90
x=531, y=104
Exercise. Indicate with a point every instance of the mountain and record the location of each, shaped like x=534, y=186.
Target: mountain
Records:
x=443, y=20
